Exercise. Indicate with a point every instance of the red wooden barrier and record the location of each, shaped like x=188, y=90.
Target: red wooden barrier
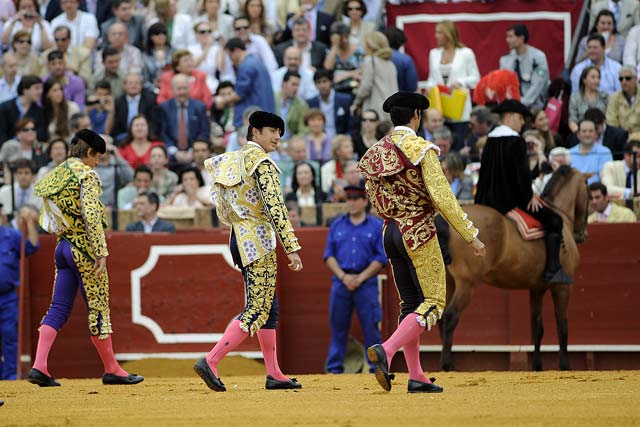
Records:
x=181, y=301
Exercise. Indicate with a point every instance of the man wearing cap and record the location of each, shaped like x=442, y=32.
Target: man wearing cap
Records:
x=406, y=185
x=72, y=211
x=505, y=182
x=354, y=254
x=247, y=196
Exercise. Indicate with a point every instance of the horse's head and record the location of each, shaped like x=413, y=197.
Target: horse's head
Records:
x=568, y=194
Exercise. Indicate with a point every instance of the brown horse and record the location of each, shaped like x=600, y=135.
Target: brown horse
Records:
x=512, y=263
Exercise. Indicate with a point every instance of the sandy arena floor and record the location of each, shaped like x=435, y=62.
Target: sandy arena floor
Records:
x=606, y=398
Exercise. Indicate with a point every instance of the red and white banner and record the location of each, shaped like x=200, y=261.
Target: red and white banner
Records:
x=483, y=26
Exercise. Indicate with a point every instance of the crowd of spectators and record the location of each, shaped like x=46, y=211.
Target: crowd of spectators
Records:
x=170, y=83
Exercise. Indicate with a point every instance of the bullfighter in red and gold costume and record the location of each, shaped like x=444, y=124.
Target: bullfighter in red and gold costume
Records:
x=406, y=185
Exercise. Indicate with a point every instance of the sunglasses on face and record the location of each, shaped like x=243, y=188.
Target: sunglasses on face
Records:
x=61, y=40
x=28, y=129
x=627, y=78
x=358, y=8
x=23, y=41
x=243, y=27
x=204, y=31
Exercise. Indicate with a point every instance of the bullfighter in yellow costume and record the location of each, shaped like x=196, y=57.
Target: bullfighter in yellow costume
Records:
x=406, y=186
x=72, y=210
x=247, y=196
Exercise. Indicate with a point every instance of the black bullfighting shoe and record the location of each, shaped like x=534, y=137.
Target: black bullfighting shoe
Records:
x=379, y=359
x=204, y=371
x=43, y=380
x=274, y=384
x=420, y=387
x=112, y=379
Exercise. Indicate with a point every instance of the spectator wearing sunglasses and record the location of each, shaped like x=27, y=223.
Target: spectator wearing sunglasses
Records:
x=624, y=106
x=354, y=11
x=77, y=58
x=255, y=45
x=25, y=145
x=27, y=62
x=28, y=19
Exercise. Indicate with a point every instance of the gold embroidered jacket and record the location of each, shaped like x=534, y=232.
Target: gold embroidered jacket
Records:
x=72, y=208
x=405, y=183
x=247, y=196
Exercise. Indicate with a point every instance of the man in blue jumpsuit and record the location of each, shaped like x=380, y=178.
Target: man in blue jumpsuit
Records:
x=354, y=254
x=9, y=281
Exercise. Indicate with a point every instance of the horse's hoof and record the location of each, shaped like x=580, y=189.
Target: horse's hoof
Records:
x=564, y=367
x=537, y=367
x=448, y=367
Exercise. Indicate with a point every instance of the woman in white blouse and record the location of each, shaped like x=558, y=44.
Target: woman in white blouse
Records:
x=453, y=65
x=27, y=18
x=206, y=53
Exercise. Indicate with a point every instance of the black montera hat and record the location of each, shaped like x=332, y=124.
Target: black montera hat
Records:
x=413, y=100
x=512, y=106
x=261, y=119
x=92, y=139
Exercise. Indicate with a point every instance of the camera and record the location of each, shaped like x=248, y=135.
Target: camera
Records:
x=29, y=15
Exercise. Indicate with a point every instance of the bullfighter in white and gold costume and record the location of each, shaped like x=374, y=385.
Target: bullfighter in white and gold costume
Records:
x=247, y=196
x=72, y=210
x=406, y=186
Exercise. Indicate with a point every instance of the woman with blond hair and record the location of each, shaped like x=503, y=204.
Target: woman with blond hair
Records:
x=453, y=65
x=342, y=152
x=379, y=76
x=535, y=151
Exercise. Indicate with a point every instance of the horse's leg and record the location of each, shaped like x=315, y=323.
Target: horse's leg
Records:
x=451, y=288
x=459, y=301
x=561, y=294
x=537, y=328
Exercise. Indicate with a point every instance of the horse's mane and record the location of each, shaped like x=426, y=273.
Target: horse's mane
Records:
x=555, y=183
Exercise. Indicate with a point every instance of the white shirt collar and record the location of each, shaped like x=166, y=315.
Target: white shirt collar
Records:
x=405, y=129
x=150, y=223
x=607, y=211
x=256, y=144
x=501, y=131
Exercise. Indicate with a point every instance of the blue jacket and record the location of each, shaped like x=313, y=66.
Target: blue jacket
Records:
x=253, y=85
x=342, y=116
x=10, y=258
x=355, y=247
x=197, y=128
x=407, y=74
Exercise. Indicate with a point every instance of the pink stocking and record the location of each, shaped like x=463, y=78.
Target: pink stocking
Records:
x=267, y=339
x=45, y=342
x=105, y=350
x=412, y=356
x=408, y=329
x=232, y=338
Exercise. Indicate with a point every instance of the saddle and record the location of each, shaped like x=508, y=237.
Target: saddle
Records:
x=528, y=227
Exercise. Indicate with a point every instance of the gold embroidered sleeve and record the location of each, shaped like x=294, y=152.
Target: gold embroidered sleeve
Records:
x=93, y=214
x=443, y=198
x=268, y=181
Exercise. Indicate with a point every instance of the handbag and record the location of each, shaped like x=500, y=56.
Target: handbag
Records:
x=450, y=102
x=435, y=100
x=553, y=110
